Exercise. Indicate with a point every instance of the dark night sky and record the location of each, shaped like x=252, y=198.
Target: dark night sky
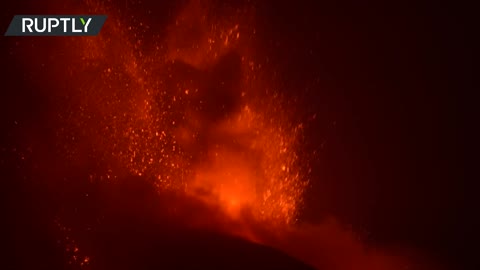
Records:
x=386, y=84
x=391, y=78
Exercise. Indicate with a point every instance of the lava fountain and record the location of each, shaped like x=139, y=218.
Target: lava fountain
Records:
x=190, y=114
x=190, y=109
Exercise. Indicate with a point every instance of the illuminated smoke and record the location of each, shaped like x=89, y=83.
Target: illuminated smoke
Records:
x=195, y=112
x=189, y=115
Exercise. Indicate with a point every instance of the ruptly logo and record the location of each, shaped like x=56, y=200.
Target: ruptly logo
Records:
x=56, y=25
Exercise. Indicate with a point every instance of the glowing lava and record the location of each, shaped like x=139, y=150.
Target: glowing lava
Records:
x=193, y=111
x=190, y=115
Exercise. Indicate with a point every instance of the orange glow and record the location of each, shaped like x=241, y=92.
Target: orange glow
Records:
x=141, y=114
x=196, y=112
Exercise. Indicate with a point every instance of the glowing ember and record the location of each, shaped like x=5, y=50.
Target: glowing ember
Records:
x=226, y=137
x=194, y=113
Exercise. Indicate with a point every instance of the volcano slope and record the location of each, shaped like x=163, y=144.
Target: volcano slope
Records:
x=128, y=226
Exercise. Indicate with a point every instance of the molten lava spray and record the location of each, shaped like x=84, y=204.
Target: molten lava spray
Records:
x=190, y=114
x=191, y=109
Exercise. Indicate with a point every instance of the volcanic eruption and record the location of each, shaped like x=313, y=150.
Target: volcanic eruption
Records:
x=174, y=145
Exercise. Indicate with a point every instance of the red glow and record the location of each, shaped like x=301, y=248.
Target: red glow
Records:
x=174, y=113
